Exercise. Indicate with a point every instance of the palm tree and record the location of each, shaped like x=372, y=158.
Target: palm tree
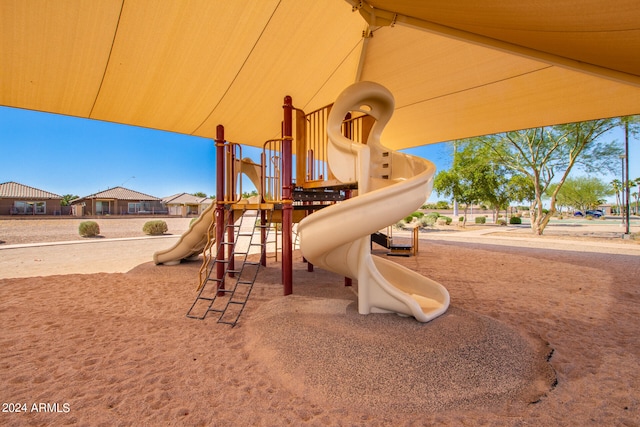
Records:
x=617, y=186
x=637, y=193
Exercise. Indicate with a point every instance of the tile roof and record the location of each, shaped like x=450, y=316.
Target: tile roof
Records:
x=119, y=193
x=14, y=190
x=184, y=199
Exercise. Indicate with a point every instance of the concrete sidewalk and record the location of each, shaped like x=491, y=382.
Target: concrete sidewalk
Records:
x=489, y=236
x=124, y=254
x=80, y=257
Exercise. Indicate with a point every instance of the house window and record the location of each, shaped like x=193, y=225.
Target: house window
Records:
x=102, y=208
x=134, y=207
x=20, y=207
x=140, y=207
x=30, y=208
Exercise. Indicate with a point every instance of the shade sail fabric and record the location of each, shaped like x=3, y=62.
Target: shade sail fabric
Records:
x=457, y=69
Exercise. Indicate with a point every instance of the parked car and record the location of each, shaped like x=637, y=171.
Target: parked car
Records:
x=595, y=213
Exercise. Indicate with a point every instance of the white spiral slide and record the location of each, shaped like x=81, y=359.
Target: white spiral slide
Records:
x=391, y=185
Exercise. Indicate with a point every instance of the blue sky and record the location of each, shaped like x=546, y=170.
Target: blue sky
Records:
x=67, y=155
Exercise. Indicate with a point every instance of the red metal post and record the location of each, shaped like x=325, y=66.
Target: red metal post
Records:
x=219, y=213
x=263, y=236
x=287, y=196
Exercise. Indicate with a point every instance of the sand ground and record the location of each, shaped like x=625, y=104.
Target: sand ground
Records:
x=539, y=332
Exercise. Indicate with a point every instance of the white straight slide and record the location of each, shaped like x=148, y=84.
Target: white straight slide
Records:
x=193, y=241
x=391, y=185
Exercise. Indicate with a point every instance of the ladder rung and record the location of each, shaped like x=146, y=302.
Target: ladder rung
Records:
x=237, y=296
x=191, y=316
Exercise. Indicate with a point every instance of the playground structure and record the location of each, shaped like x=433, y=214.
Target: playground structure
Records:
x=396, y=249
x=344, y=177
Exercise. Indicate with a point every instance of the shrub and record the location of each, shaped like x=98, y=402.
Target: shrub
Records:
x=155, y=228
x=501, y=222
x=515, y=220
x=408, y=219
x=427, y=221
x=417, y=215
x=401, y=225
x=89, y=229
x=481, y=220
x=444, y=220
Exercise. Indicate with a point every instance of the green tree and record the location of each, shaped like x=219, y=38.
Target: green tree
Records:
x=581, y=193
x=521, y=188
x=547, y=155
x=443, y=204
x=466, y=181
x=66, y=199
x=247, y=194
x=636, y=194
x=476, y=177
x=200, y=194
x=616, y=188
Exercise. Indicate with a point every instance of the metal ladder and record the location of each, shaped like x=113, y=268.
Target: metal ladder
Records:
x=229, y=303
x=207, y=254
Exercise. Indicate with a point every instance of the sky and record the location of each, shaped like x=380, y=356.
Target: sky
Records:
x=68, y=155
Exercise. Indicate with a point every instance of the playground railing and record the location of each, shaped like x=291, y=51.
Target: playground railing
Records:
x=233, y=180
x=311, y=146
x=272, y=165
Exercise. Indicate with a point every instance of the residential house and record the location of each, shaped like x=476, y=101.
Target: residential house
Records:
x=118, y=201
x=20, y=199
x=184, y=204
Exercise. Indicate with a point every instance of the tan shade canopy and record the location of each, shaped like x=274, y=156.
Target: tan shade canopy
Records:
x=457, y=69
